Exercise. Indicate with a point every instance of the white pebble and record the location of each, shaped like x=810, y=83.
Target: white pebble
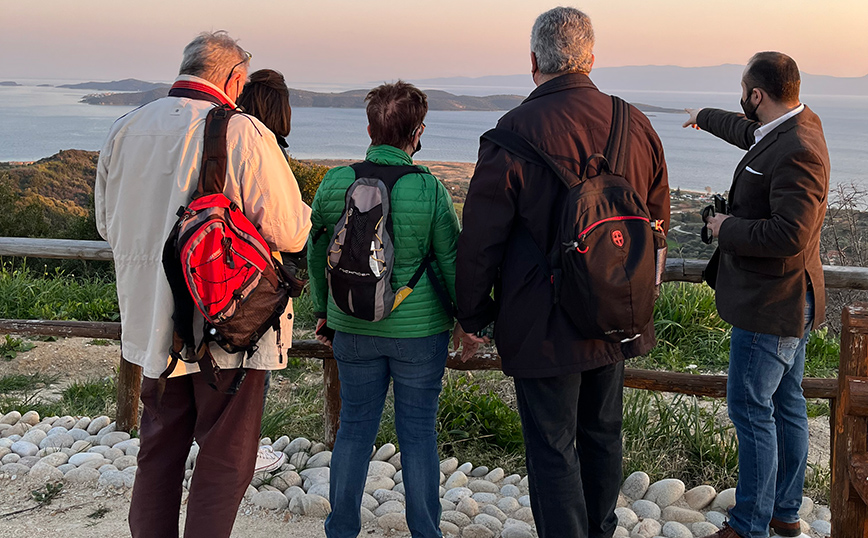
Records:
x=665, y=492
x=456, y=494
x=626, y=518
x=646, y=509
x=674, y=529
x=270, y=500
x=448, y=466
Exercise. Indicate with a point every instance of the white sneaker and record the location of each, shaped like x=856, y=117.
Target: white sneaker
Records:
x=267, y=459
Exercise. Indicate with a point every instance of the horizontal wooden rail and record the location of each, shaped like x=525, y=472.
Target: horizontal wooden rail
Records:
x=55, y=248
x=681, y=383
x=677, y=269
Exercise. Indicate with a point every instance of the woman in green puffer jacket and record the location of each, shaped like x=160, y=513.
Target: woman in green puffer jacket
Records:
x=409, y=346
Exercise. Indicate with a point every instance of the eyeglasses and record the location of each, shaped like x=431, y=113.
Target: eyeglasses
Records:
x=416, y=130
x=247, y=58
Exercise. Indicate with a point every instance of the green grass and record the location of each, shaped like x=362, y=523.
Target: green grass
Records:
x=679, y=437
x=691, y=337
x=24, y=393
x=26, y=294
x=26, y=382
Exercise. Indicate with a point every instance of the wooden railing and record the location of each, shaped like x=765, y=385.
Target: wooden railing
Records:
x=848, y=395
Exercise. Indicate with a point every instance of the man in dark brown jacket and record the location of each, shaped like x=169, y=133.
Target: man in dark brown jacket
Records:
x=569, y=389
x=769, y=283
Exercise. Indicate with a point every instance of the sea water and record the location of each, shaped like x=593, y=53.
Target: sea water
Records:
x=36, y=122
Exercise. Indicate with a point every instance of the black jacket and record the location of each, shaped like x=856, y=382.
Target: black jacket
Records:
x=568, y=118
x=771, y=249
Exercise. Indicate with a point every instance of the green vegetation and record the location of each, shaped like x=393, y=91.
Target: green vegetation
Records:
x=468, y=412
x=679, y=437
x=308, y=176
x=11, y=347
x=25, y=382
x=691, y=337
x=25, y=294
x=33, y=392
x=47, y=493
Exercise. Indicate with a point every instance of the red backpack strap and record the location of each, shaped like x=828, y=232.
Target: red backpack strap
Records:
x=212, y=172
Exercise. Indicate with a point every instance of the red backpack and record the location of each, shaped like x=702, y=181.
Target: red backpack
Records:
x=217, y=261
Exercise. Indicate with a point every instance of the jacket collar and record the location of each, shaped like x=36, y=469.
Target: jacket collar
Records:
x=193, y=87
x=564, y=82
x=389, y=155
x=803, y=117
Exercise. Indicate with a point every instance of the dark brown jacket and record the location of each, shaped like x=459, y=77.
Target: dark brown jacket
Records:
x=770, y=251
x=568, y=118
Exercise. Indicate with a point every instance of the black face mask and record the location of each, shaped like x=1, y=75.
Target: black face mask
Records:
x=417, y=148
x=745, y=103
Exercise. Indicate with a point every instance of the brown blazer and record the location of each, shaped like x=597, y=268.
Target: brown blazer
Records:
x=770, y=250
x=570, y=119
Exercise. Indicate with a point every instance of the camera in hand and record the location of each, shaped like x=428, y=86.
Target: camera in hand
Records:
x=718, y=205
x=290, y=265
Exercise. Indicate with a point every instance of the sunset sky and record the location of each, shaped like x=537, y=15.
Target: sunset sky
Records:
x=356, y=41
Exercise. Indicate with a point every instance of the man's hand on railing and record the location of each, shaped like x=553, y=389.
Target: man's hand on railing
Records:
x=471, y=342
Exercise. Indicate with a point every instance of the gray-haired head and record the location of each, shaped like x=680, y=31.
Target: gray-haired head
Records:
x=212, y=55
x=563, y=41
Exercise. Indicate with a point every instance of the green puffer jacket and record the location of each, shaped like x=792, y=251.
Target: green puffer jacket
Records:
x=423, y=219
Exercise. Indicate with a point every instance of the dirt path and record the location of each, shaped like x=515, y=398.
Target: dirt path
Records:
x=76, y=514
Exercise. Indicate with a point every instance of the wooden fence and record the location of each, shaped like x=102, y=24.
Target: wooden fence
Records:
x=847, y=395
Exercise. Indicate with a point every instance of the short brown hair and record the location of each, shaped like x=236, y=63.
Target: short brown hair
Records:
x=266, y=96
x=775, y=73
x=395, y=111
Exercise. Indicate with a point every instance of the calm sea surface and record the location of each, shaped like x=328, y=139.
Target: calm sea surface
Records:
x=36, y=122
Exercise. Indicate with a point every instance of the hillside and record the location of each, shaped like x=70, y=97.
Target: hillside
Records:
x=437, y=100
x=67, y=176
x=125, y=85
x=49, y=198
x=126, y=99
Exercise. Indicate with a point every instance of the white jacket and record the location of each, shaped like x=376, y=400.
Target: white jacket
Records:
x=148, y=168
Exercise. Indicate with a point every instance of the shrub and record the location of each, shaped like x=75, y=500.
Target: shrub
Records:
x=309, y=176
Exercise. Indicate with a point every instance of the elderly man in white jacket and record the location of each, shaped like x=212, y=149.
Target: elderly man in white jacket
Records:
x=147, y=169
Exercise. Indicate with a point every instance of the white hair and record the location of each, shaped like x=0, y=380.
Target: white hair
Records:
x=563, y=41
x=211, y=55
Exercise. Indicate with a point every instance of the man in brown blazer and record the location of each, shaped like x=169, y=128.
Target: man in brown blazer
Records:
x=769, y=284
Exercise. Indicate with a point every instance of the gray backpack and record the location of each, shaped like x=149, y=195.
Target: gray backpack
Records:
x=361, y=254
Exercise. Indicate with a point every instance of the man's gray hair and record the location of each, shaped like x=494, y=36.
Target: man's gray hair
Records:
x=563, y=41
x=211, y=55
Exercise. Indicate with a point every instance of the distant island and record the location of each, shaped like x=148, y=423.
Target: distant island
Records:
x=437, y=99
x=125, y=85
x=9, y=83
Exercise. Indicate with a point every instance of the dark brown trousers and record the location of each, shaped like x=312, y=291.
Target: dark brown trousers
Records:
x=226, y=427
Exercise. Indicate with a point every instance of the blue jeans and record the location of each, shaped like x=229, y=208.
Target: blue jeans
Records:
x=365, y=366
x=766, y=405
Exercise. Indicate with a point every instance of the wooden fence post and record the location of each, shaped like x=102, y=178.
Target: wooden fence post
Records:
x=849, y=433
x=332, y=389
x=129, y=390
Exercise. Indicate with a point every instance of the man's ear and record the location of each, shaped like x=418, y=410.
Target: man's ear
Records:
x=533, y=64
x=592, y=63
x=369, y=132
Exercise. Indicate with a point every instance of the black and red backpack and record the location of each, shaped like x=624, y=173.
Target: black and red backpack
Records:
x=217, y=262
x=608, y=256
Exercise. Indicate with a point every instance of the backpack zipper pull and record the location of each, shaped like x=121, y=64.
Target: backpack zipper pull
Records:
x=226, y=243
